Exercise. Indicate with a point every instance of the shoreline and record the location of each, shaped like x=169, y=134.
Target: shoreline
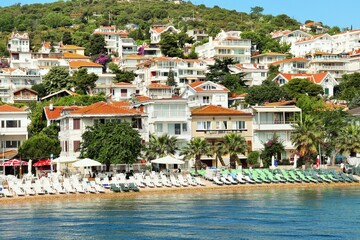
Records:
x=166, y=190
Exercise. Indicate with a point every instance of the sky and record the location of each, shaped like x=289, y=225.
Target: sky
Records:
x=341, y=13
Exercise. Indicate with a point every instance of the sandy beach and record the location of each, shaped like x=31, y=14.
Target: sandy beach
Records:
x=209, y=187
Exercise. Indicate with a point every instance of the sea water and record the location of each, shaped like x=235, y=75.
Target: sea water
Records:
x=299, y=213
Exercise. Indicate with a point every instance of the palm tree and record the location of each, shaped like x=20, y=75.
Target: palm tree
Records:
x=195, y=149
x=348, y=140
x=233, y=144
x=306, y=136
x=161, y=146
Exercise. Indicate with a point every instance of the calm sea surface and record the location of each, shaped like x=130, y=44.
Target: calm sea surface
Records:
x=324, y=213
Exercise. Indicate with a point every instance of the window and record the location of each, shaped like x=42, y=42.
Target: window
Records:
x=66, y=146
x=203, y=125
x=76, y=146
x=12, y=124
x=206, y=99
x=123, y=92
x=239, y=125
x=159, y=127
x=12, y=144
x=263, y=74
x=184, y=127
x=76, y=123
x=326, y=91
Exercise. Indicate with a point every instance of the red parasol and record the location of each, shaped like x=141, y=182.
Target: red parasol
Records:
x=42, y=162
x=14, y=163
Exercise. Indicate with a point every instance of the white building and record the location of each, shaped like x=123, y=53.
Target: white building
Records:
x=322, y=42
x=203, y=93
x=336, y=64
x=167, y=116
x=346, y=41
x=268, y=58
x=226, y=45
x=13, y=127
x=73, y=124
x=275, y=118
x=325, y=80
x=293, y=65
x=157, y=30
x=255, y=73
x=289, y=37
x=197, y=34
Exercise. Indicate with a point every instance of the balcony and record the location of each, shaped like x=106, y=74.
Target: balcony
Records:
x=25, y=98
x=217, y=133
x=268, y=126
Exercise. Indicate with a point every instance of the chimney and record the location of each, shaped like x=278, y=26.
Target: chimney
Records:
x=51, y=107
x=233, y=95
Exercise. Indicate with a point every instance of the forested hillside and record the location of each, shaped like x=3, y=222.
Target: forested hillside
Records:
x=49, y=22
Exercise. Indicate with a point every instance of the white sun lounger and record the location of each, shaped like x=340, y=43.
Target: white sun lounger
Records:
x=217, y=181
x=198, y=180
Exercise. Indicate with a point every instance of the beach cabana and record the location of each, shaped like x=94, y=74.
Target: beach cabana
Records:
x=168, y=160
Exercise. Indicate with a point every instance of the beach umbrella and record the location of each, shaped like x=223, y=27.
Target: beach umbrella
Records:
x=42, y=162
x=167, y=160
x=64, y=159
x=272, y=161
x=14, y=163
x=86, y=162
x=295, y=160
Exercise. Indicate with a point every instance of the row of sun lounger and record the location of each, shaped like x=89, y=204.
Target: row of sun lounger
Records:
x=119, y=183
x=258, y=176
x=43, y=186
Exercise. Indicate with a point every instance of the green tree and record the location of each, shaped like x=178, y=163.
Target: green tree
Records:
x=267, y=92
x=52, y=131
x=56, y=79
x=298, y=86
x=121, y=75
x=171, y=78
x=195, y=149
x=111, y=143
x=310, y=105
x=160, y=146
x=37, y=123
x=39, y=146
x=84, y=82
x=253, y=158
x=273, y=147
x=349, y=86
x=306, y=137
x=348, y=141
x=234, y=144
x=169, y=45
x=40, y=89
x=96, y=44
x=67, y=39
x=82, y=100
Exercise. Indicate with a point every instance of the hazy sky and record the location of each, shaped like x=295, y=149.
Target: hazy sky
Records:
x=341, y=13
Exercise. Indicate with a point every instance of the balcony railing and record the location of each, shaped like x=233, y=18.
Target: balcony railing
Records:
x=25, y=98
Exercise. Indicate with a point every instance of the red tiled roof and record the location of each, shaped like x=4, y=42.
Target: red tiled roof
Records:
x=57, y=110
x=8, y=108
x=158, y=86
x=103, y=108
x=211, y=110
x=298, y=59
x=310, y=38
x=70, y=47
x=141, y=98
x=158, y=30
x=124, y=84
x=315, y=78
x=121, y=104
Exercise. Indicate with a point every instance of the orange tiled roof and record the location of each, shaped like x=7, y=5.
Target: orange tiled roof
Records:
x=57, y=110
x=158, y=86
x=315, y=78
x=211, y=110
x=47, y=44
x=103, y=108
x=9, y=108
x=298, y=59
x=310, y=38
x=69, y=55
x=141, y=98
x=77, y=64
x=121, y=104
x=8, y=154
x=158, y=30
x=124, y=84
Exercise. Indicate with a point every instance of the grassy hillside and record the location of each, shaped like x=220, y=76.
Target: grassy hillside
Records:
x=80, y=17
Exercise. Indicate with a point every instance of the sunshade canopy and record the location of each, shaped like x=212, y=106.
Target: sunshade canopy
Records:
x=167, y=160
